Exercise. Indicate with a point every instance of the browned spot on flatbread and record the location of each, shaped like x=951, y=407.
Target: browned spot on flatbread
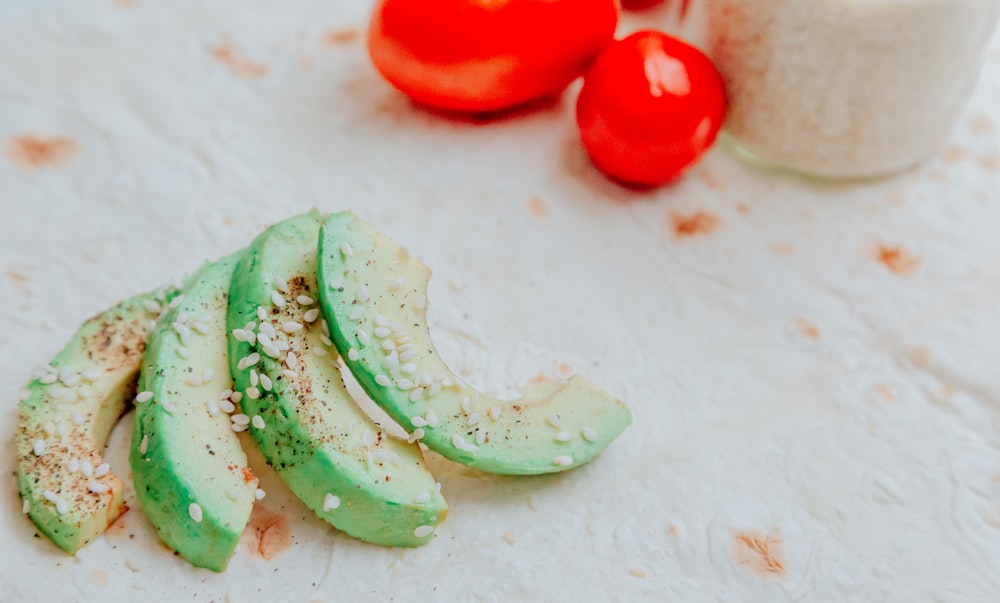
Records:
x=954, y=154
x=887, y=393
x=638, y=572
x=895, y=197
x=762, y=554
x=341, y=37
x=116, y=529
x=981, y=124
x=743, y=208
x=537, y=379
x=947, y=391
x=248, y=475
x=989, y=162
x=269, y=533
x=920, y=355
x=782, y=249
x=125, y=3
x=538, y=208
x=564, y=369
x=898, y=259
x=100, y=577
x=693, y=224
x=673, y=530
x=808, y=329
x=20, y=280
x=32, y=152
x=239, y=65
x=509, y=538
x=710, y=179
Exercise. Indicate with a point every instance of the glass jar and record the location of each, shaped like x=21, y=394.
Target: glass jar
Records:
x=846, y=88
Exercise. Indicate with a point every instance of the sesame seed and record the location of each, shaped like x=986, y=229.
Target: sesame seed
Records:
x=225, y=394
x=261, y=313
x=49, y=427
x=195, y=512
x=183, y=352
x=290, y=374
x=434, y=388
x=144, y=444
x=432, y=418
x=91, y=375
x=305, y=300
x=311, y=315
x=271, y=351
x=77, y=417
x=238, y=428
x=25, y=506
x=282, y=346
x=460, y=443
x=346, y=249
x=589, y=434
x=352, y=354
x=382, y=332
x=192, y=381
x=254, y=378
x=169, y=406
x=152, y=307
x=381, y=321
x=291, y=360
x=259, y=494
x=416, y=394
x=565, y=460
x=233, y=494
x=102, y=470
x=382, y=456
x=258, y=421
x=563, y=436
x=202, y=328
x=226, y=406
x=62, y=429
x=426, y=379
x=338, y=282
x=208, y=375
x=473, y=418
x=408, y=368
x=362, y=294
x=97, y=487
x=213, y=408
x=253, y=393
x=240, y=419
x=403, y=339
x=382, y=380
x=417, y=434
x=248, y=361
x=266, y=383
x=86, y=468
x=144, y=397
x=357, y=313
x=389, y=345
x=391, y=362
x=423, y=531
x=407, y=355
x=447, y=382
x=467, y=405
x=183, y=332
x=553, y=420
x=280, y=284
x=48, y=379
x=319, y=352
x=71, y=379
x=369, y=460
x=480, y=437
x=396, y=327
x=50, y=496
x=235, y=398
x=326, y=340
x=239, y=335
x=330, y=502
x=38, y=447
x=62, y=507
x=277, y=299
x=73, y=464
x=418, y=421
x=404, y=347
x=250, y=326
x=422, y=498
x=291, y=326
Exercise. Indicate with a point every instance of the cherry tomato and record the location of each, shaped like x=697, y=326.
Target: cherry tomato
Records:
x=482, y=56
x=649, y=108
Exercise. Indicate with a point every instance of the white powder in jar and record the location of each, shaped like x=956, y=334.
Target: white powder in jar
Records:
x=846, y=88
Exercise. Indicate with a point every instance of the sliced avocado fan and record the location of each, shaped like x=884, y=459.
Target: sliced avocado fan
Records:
x=332, y=456
x=67, y=415
x=374, y=296
x=190, y=472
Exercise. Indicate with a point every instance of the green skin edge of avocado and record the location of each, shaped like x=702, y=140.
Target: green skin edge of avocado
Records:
x=523, y=441
x=316, y=461
x=111, y=344
x=175, y=469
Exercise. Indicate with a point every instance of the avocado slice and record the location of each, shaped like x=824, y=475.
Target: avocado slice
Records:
x=374, y=295
x=341, y=464
x=190, y=472
x=67, y=414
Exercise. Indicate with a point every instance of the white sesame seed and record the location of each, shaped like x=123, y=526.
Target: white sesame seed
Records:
x=357, y=313
x=49, y=427
x=565, y=460
x=326, y=340
x=86, y=468
x=589, y=434
x=432, y=418
x=71, y=380
x=152, y=307
x=402, y=340
x=363, y=338
x=63, y=429
x=277, y=299
x=271, y=351
x=253, y=393
x=183, y=352
x=391, y=362
x=192, y=381
x=38, y=447
x=50, y=496
x=389, y=345
x=305, y=300
x=382, y=380
x=422, y=498
x=397, y=327
x=250, y=326
x=143, y=397
x=248, y=361
x=259, y=494
x=426, y=379
x=48, y=379
x=291, y=326
x=254, y=378
x=195, y=512
x=240, y=419
x=97, y=487
x=310, y=316
x=183, y=332
x=369, y=460
x=346, y=249
x=330, y=502
x=416, y=394
x=460, y=443
x=434, y=388
x=151, y=325
x=144, y=444
x=382, y=321
x=408, y=368
x=238, y=428
x=280, y=284
x=466, y=405
x=553, y=420
x=213, y=408
x=447, y=382
x=291, y=360
x=290, y=374
x=423, y=531
x=417, y=434
x=73, y=464
x=62, y=507
x=233, y=494
x=383, y=456
x=480, y=437
x=382, y=332
x=91, y=375
x=563, y=436
x=258, y=421
x=77, y=417
x=367, y=437
x=261, y=313
x=362, y=294
x=208, y=375
x=495, y=412
x=319, y=351
x=200, y=327
x=473, y=418
x=225, y=394
x=337, y=282
x=102, y=470
x=25, y=506
x=169, y=406
x=265, y=382
x=418, y=421
x=407, y=355
x=352, y=354
x=239, y=334
x=235, y=398
x=226, y=406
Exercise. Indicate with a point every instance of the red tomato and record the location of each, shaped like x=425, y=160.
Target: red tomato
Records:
x=487, y=55
x=649, y=108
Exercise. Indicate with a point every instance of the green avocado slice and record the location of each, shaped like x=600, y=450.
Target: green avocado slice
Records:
x=190, y=472
x=374, y=296
x=331, y=454
x=67, y=414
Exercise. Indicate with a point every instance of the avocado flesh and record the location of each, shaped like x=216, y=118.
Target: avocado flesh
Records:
x=71, y=407
x=332, y=456
x=184, y=451
x=374, y=296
